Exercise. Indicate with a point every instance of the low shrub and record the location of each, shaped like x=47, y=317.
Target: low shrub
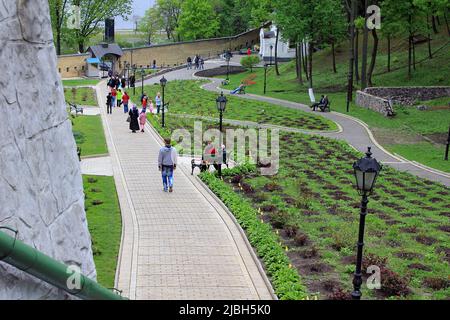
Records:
x=285, y=279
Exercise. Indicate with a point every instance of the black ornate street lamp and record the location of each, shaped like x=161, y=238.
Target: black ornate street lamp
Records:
x=447, y=146
x=142, y=79
x=228, y=57
x=366, y=173
x=163, y=83
x=221, y=102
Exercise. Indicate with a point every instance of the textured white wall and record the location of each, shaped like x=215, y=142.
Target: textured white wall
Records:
x=41, y=191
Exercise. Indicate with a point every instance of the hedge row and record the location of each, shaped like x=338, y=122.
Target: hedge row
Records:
x=285, y=279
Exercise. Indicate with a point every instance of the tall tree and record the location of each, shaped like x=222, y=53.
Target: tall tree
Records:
x=150, y=24
x=170, y=11
x=197, y=20
x=94, y=12
x=58, y=9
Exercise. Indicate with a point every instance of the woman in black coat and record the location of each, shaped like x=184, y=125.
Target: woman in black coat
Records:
x=134, y=116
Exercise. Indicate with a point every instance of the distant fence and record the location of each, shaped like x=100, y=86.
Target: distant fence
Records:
x=166, y=55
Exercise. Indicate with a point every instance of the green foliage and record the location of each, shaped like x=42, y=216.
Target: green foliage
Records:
x=89, y=135
x=150, y=24
x=197, y=20
x=249, y=62
x=285, y=279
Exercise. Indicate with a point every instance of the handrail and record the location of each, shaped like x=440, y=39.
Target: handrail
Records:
x=18, y=254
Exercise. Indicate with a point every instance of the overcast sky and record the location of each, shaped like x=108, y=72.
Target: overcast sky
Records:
x=139, y=7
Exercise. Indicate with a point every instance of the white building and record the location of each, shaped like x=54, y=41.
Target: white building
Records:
x=267, y=46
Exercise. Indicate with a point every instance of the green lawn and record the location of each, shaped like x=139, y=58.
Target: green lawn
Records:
x=80, y=82
x=188, y=97
x=89, y=135
x=408, y=124
x=105, y=225
x=81, y=96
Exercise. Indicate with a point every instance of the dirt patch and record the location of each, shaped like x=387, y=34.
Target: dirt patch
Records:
x=438, y=138
x=391, y=136
x=428, y=241
x=419, y=266
x=409, y=255
x=444, y=228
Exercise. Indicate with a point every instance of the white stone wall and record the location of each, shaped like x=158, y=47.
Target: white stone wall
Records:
x=41, y=191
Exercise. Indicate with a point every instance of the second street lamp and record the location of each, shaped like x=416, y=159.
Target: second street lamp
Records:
x=221, y=102
x=163, y=83
x=142, y=84
x=366, y=173
x=228, y=57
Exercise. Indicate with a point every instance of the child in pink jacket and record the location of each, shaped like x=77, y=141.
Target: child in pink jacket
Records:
x=142, y=120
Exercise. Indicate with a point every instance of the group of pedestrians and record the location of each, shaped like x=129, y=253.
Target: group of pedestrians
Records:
x=198, y=62
x=117, y=95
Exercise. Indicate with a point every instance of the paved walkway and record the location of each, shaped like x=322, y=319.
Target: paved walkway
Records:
x=183, y=245
x=354, y=131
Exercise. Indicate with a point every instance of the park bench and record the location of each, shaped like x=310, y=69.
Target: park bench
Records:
x=323, y=108
x=75, y=108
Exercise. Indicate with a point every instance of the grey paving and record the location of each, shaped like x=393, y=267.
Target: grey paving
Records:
x=182, y=245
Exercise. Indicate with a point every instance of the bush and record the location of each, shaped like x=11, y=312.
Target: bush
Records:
x=285, y=279
x=250, y=62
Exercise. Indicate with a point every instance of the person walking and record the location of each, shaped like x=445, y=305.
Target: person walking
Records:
x=134, y=116
x=119, y=98
x=124, y=83
x=114, y=96
x=142, y=119
x=151, y=106
x=202, y=63
x=109, y=103
x=189, y=63
x=125, y=101
x=144, y=101
x=196, y=61
x=158, y=102
x=167, y=163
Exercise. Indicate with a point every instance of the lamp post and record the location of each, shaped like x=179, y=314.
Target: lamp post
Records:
x=227, y=57
x=366, y=173
x=142, y=80
x=134, y=80
x=447, y=146
x=265, y=77
x=163, y=83
x=221, y=102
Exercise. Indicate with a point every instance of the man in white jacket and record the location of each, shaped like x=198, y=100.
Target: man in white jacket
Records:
x=167, y=163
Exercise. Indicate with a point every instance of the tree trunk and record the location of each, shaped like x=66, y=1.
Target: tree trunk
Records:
x=430, y=54
x=409, y=55
x=446, y=23
x=389, y=52
x=374, y=56
x=364, y=51
x=352, y=54
x=357, y=54
x=305, y=61
x=433, y=23
x=334, y=56
x=414, y=54
x=310, y=64
x=276, y=52
x=81, y=46
x=297, y=75
x=299, y=61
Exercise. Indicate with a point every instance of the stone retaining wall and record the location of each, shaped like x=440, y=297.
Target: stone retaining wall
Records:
x=166, y=55
x=372, y=102
x=409, y=95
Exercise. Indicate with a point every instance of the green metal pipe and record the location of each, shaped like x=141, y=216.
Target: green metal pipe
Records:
x=31, y=261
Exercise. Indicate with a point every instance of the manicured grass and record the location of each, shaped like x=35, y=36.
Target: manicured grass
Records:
x=105, y=225
x=188, y=97
x=81, y=96
x=409, y=121
x=80, y=82
x=89, y=135
x=431, y=154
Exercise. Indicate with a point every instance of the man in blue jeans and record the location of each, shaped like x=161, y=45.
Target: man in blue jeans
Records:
x=167, y=163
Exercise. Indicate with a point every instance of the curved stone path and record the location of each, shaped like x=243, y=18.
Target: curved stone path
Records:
x=354, y=131
x=181, y=245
